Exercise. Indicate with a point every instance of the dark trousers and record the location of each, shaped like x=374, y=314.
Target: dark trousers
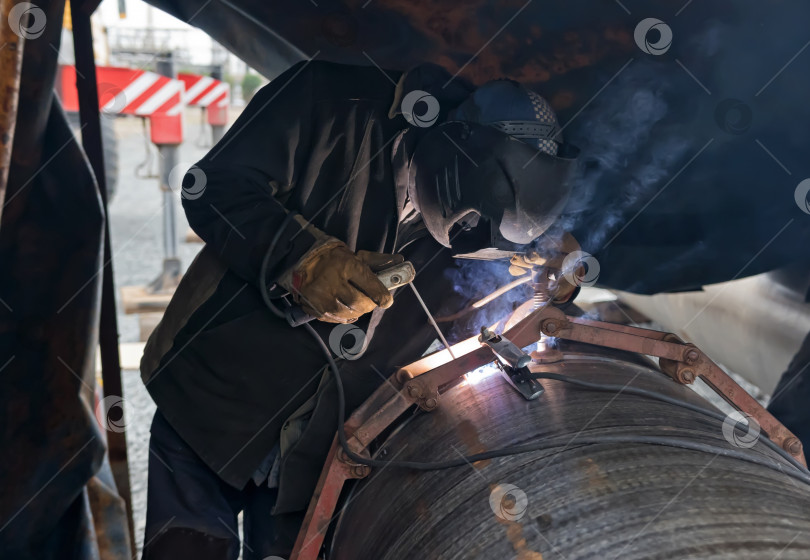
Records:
x=192, y=513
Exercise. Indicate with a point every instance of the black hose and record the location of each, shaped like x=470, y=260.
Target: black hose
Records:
x=263, y=271
x=801, y=473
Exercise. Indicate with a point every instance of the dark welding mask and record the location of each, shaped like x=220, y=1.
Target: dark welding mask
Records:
x=461, y=172
x=499, y=160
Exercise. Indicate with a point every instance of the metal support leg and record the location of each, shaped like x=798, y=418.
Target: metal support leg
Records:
x=217, y=132
x=108, y=322
x=170, y=274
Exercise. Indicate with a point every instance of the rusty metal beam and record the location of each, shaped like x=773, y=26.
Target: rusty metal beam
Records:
x=323, y=505
x=11, y=51
x=108, y=322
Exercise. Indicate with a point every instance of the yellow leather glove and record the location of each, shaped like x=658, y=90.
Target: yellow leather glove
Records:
x=336, y=285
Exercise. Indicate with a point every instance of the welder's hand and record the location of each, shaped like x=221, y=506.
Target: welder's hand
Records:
x=336, y=285
x=552, y=257
x=551, y=262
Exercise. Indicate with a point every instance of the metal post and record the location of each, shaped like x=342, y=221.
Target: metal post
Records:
x=108, y=321
x=170, y=275
x=217, y=130
x=168, y=161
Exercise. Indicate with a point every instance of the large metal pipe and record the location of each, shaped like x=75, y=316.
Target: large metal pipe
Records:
x=629, y=477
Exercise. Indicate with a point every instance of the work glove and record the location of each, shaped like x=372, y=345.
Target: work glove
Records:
x=336, y=285
x=551, y=261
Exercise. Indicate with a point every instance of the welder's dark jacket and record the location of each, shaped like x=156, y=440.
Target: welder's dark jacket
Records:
x=226, y=373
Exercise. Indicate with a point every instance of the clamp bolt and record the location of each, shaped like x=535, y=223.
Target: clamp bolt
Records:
x=341, y=455
x=692, y=356
x=414, y=392
x=550, y=327
x=793, y=446
x=431, y=403
x=361, y=471
x=687, y=376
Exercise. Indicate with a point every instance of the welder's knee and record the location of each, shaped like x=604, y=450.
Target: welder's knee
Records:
x=179, y=542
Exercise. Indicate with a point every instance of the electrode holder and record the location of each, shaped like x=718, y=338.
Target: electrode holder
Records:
x=512, y=363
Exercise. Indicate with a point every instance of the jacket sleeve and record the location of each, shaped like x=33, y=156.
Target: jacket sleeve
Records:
x=231, y=196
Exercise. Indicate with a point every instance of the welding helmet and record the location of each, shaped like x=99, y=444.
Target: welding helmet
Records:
x=499, y=157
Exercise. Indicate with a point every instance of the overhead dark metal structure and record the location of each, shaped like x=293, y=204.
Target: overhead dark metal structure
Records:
x=692, y=150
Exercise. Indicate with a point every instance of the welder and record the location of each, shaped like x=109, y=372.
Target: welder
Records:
x=331, y=173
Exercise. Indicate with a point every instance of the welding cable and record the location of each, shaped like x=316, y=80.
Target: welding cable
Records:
x=800, y=473
x=584, y=440
x=266, y=260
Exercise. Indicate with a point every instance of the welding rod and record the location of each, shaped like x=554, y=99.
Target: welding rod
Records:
x=432, y=321
x=486, y=299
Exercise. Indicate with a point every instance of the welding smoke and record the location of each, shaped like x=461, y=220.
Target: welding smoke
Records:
x=474, y=279
x=675, y=156
x=629, y=115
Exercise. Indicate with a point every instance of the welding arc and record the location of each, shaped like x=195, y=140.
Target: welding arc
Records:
x=800, y=473
x=485, y=300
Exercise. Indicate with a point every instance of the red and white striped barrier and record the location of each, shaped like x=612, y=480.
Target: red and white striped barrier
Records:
x=213, y=94
x=133, y=92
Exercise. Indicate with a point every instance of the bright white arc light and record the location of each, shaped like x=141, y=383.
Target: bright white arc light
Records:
x=478, y=375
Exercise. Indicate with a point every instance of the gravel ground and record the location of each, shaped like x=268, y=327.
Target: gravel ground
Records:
x=139, y=410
